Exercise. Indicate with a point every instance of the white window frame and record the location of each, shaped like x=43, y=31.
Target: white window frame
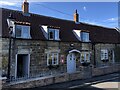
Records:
x=85, y=57
x=80, y=35
x=23, y=34
x=55, y=34
x=51, y=30
x=104, y=54
x=85, y=36
x=57, y=61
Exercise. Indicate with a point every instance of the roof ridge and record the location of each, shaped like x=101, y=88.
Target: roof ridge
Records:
x=61, y=19
x=38, y=15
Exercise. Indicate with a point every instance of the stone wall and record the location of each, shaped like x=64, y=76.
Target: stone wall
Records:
x=65, y=77
x=38, y=57
x=61, y=78
x=98, y=48
x=4, y=60
x=105, y=70
x=38, y=53
x=0, y=55
x=2, y=82
x=34, y=48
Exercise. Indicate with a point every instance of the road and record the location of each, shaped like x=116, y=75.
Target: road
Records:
x=106, y=82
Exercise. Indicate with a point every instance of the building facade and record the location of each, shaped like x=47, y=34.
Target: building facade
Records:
x=42, y=45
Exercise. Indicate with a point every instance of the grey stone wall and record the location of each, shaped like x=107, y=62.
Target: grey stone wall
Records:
x=98, y=48
x=105, y=70
x=38, y=54
x=65, y=77
x=4, y=60
x=0, y=54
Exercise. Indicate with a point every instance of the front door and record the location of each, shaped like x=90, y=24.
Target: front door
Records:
x=71, y=63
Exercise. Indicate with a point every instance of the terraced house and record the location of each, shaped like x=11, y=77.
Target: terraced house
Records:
x=36, y=46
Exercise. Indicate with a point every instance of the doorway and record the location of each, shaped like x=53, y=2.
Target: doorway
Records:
x=71, y=63
x=22, y=67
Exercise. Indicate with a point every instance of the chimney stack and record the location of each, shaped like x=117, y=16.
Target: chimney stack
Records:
x=76, y=16
x=25, y=7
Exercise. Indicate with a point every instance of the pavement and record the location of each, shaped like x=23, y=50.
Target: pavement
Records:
x=106, y=82
x=112, y=83
x=106, y=85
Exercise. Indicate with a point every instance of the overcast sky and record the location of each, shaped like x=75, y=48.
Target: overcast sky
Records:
x=98, y=13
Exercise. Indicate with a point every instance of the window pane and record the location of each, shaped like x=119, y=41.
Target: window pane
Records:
x=55, y=59
x=22, y=31
x=18, y=31
x=50, y=59
x=82, y=57
x=104, y=54
x=87, y=57
x=85, y=36
x=56, y=34
x=51, y=34
x=25, y=32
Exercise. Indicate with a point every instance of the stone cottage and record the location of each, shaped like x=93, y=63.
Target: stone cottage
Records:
x=42, y=45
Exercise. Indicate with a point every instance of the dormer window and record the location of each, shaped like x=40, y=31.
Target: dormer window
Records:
x=22, y=31
x=85, y=36
x=81, y=35
x=50, y=33
x=53, y=34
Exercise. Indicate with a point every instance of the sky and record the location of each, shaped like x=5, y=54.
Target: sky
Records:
x=96, y=13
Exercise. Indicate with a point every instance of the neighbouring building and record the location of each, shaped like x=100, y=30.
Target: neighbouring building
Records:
x=46, y=45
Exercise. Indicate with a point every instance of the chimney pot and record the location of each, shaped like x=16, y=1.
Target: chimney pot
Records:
x=25, y=7
x=76, y=16
x=76, y=11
